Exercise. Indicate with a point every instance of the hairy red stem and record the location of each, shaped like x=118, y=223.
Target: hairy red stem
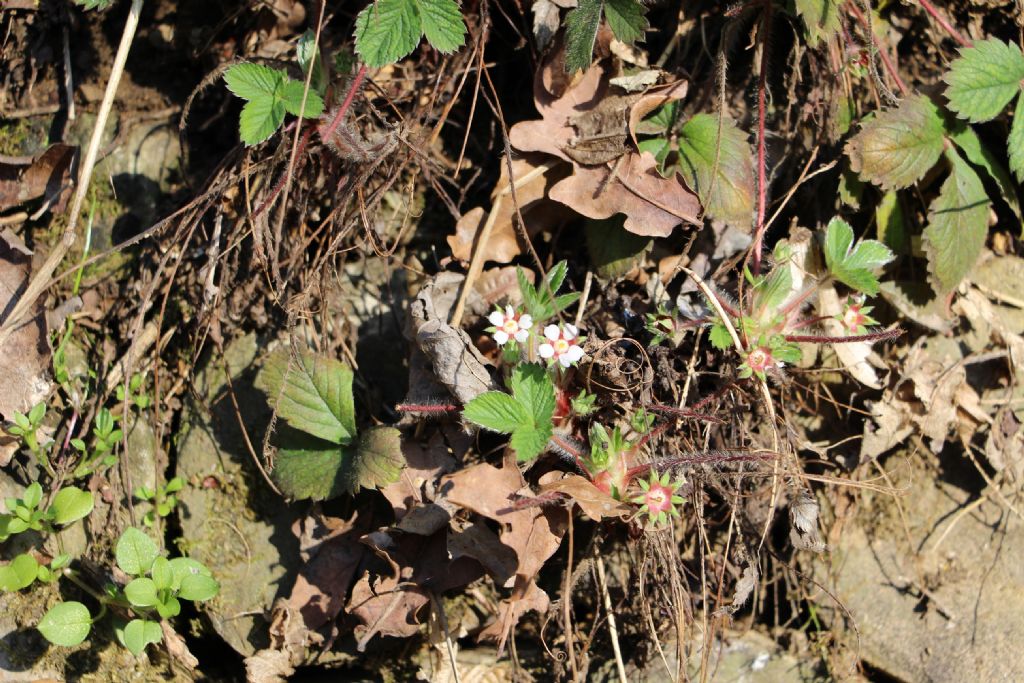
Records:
x=762, y=83
x=891, y=333
x=944, y=23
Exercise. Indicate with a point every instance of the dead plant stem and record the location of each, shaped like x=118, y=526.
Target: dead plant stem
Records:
x=762, y=86
x=567, y=602
x=41, y=279
x=613, y=631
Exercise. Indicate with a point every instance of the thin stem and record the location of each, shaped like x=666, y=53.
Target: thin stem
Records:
x=891, y=333
x=944, y=23
x=762, y=190
x=886, y=60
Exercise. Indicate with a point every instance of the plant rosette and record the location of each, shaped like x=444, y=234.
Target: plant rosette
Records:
x=562, y=345
x=509, y=325
x=769, y=353
x=659, y=500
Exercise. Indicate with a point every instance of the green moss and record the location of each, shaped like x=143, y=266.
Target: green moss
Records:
x=22, y=137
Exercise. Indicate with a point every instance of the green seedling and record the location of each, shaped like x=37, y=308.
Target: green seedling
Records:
x=105, y=440
x=163, y=499
x=25, y=427
x=137, y=394
x=24, y=514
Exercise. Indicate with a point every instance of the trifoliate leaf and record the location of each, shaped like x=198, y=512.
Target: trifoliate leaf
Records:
x=253, y=81
x=387, y=30
x=526, y=414
x=980, y=155
x=898, y=146
x=135, y=552
x=259, y=119
x=581, y=26
x=984, y=78
x=442, y=24
x=821, y=18
x=66, y=624
x=1015, y=143
x=626, y=19
x=854, y=266
x=19, y=573
x=314, y=395
x=139, y=633
x=732, y=197
x=318, y=470
x=957, y=226
x=291, y=96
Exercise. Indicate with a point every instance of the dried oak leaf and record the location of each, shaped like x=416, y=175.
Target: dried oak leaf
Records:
x=424, y=464
x=48, y=175
x=504, y=244
x=25, y=356
x=388, y=605
x=631, y=185
x=594, y=502
x=534, y=534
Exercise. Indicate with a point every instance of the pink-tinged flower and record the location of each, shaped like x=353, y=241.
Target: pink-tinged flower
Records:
x=659, y=498
x=855, y=318
x=760, y=359
x=562, y=345
x=509, y=325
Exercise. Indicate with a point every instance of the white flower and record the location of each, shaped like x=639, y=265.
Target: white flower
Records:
x=509, y=325
x=562, y=345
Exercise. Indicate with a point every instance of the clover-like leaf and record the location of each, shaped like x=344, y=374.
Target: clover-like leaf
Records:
x=314, y=395
x=67, y=624
x=957, y=225
x=984, y=78
x=854, y=266
x=291, y=97
x=388, y=30
x=898, y=146
x=526, y=414
x=259, y=119
x=253, y=81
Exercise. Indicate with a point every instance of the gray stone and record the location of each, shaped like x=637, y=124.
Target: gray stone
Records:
x=231, y=521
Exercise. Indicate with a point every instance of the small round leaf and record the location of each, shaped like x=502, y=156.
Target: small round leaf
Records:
x=135, y=552
x=67, y=624
x=141, y=592
x=197, y=588
x=71, y=504
x=139, y=633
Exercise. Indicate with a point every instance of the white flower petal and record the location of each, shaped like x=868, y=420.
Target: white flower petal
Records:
x=510, y=312
x=546, y=350
x=564, y=360
x=571, y=332
x=501, y=337
x=496, y=318
x=525, y=321
x=522, y=336
x=574, y=353
x=552, y=332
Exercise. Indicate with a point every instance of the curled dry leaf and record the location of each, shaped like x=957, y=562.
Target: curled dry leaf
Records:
x=424, y=464
x=594, y=502
x=803, y=519
x=631, y=185
x=48, y=175
x=456, y=362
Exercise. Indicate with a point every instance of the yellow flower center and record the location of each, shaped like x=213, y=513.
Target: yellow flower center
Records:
x=561, y=346
x=511, y=326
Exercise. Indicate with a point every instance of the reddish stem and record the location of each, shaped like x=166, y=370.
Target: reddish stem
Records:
x=944, y=23
x=891, y=333
x=886, y=61
x=428, y=408
x=762, y=79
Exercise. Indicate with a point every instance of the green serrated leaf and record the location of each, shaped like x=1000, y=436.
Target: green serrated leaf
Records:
x=94, y=4
x=260, y=118
x=581, y=26
x=20, y=573
x=141, y=592
x=387, y=30
x=139, y=633
x=318, y=470
x=556, y=276
x=980, y=155
x=891, y=225
x=313, y=395
x=821, y=18
x=732, y=196
x=135, y=552
x=198, y=588
x=854, y=266
x=71, y=504
x=1015, y=143
x=496, y=411
x=957, y=226
x=533, y=389
x=253, y=81
x=66, y=624
x=308, y=55
x=291, y=96
x=898, y=146
x=442, y=24
x=626, y=19
x=719, y=336
x=613, y=251
x=984, y=78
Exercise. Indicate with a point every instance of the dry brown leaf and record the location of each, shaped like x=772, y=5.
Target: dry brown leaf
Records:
x=503, y=245
x=501, y=285
x=651, y=100
x=527, y=596
x=48, y=175
x=424, y=464
x=936, y=376
x=594, y=502
x=533, y=534
x=25, y=356
x=552, y=133
x=268, y=666
x=892, y=426
x=482, y=544
x=333, y=553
